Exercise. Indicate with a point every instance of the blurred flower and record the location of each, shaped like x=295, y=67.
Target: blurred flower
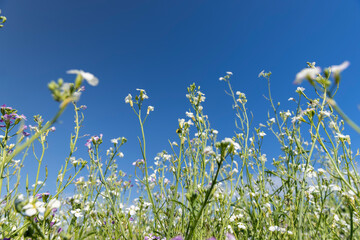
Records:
x=89, y=77
x=307, y=73
x=336, y=69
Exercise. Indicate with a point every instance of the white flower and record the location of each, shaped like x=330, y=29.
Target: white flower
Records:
x=306, y=73
x=114, y=141
x=208, y=150
x=128, y=98
x=263, y=158
x=300, y=89
x=221, y=79
x=54, y=203
x=273, y=228
x=336, y=69
x=230, y=141
x=325, y=113
x=229, y=73
x=334, y=187
x=89, y=77
x=262, y=134
x=77, y=212
x=38, y=183
x=32, y=208
x=150, y=109
x=189, y=114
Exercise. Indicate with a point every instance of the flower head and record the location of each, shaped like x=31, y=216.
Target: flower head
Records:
x=89, y=77
x=309, y=73
x=336, y=69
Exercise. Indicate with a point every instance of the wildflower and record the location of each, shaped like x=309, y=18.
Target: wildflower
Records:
x=241, y=226
x=142, y=94
x=208, y=150
x=232, y=142
x=309, y=73
x=229, y=73
x=221, y=79
x=334, y=187
x=150, y=109
x=54, y=203
x=90, y=78
x=263, y=158
x=114, y=141
x=273, y=228
x=189, y=114
x=178, y=238
x=77, y=213
x=39, y=183
x=262, y=134
x=128, y=99
x=229, y=236
x=337, y=69
x=343, y=137
x=300, y=90
x=32, y=208
x=325, y=113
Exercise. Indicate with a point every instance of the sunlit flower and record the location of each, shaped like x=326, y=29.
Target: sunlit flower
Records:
x=77, y=213
x=310, y=73
x=32, y=208
x=89, y=77
x=336, y=69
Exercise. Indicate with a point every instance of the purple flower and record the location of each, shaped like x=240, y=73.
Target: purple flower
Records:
x=229, y=236
x=212, y=238
x=178, y=238
x=59, y=230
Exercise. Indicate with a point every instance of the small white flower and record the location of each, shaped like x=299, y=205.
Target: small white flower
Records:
x=336, y=69
x=77, y=212
x=273, y=228
x=189, y=114
x=208, y=150
x=221, y=79
x=89, y=77
x=229, y=73
x=128, y=98
x=150, y=109
x=263, y=158
x=38, y=183
x=306, y=73
x=30, y=210
x=334, y=187
x=325, y=113
x=300, y=89
x=262, y=134
x=114, y=141
x=54, y=203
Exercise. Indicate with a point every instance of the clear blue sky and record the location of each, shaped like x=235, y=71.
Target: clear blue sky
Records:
x=164, y=46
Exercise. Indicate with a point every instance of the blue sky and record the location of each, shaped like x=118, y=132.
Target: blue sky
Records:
x=163, y=47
